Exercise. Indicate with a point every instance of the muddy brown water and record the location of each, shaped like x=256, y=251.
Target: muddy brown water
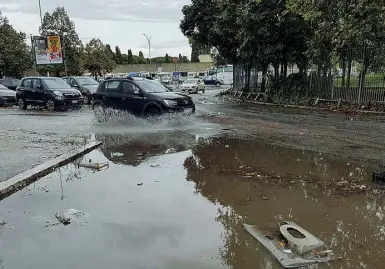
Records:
x=185, y=210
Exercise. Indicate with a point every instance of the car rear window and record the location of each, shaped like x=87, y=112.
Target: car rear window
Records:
x=112, y=86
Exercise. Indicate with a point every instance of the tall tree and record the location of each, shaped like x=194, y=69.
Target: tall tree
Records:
x=194, y=52
x=141, y=54
x=118, y=53
x=108, y=47
x=167, y=59
x=59, y=23
x=15, y=55
x=97, y=59
x=130, y=57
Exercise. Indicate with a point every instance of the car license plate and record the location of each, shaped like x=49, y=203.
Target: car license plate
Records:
x=74, y=101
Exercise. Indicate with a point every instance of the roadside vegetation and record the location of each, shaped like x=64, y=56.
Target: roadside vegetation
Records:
x=322, y=39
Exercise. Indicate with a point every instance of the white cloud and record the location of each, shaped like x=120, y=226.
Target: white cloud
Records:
x=116, y=22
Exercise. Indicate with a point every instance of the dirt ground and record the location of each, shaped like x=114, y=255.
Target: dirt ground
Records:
x=356, y=137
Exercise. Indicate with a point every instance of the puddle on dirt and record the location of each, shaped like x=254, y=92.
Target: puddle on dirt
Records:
x=185, y=209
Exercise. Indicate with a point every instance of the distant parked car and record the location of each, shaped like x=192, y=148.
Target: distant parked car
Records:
x=193, y=86
x=86, y=85
x=213, y=81
x=50, y=92
x=166, y=80
x=7, y=96
x=140, y=96
x=10, y=83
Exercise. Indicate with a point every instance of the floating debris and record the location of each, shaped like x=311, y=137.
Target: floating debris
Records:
x=295, y=248
x=140, y=184
x=95, y=165
x=69, y=215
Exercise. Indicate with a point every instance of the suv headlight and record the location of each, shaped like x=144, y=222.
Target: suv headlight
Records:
x=170, y=103
x=58, y=95
x=79, y=92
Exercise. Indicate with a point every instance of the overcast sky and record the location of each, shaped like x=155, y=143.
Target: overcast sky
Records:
x=116, y=22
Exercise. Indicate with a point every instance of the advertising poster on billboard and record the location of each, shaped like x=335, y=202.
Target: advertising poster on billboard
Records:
x=47, y=50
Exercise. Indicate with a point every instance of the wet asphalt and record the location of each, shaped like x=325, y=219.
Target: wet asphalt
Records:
x=30, y=137
x=176, y=192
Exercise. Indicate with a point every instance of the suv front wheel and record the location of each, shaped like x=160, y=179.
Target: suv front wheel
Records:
x=22, y=104
x=50, y=104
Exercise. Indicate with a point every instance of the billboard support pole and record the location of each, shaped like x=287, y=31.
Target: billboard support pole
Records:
x=64, y=54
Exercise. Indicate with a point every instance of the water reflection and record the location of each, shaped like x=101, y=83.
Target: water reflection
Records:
x=262, y=185
x=132, y=149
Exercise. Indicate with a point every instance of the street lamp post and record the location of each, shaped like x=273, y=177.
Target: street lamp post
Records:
x=149, y=47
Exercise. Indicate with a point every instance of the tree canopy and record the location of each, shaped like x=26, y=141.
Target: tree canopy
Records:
x=97, y=58
x=59, y=23
x=15, y=55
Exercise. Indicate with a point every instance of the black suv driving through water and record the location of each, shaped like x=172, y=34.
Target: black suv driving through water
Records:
x=141, y=97
x=50, y=92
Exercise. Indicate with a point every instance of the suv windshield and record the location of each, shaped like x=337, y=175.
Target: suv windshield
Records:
x=87, y=81
x=151, y=86
x=56, y=83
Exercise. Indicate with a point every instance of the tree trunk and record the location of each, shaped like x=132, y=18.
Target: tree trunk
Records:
x=282, y=71
x=343, y=71
x=285, y=70
x=264, y=73
x=247, y=85
x=276, y=71
x=349, y=69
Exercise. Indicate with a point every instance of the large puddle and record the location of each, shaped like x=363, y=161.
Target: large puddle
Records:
x=185, y=209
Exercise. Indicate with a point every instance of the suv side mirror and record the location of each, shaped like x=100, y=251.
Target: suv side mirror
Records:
x=75, y=85
x=136, y=92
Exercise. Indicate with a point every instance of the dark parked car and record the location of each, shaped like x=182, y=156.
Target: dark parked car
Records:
x=212, y=81
x=50, y=92
x=86, y=85
x=10, y=83
x=7, y=96
x=141, y=97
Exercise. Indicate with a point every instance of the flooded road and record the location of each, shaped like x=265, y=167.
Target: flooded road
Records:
x=177, y=199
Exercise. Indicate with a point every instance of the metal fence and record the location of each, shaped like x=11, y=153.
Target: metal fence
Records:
x=355, y=75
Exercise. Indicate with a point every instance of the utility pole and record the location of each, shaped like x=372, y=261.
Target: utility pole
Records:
x=41, y=17
x=149, y=47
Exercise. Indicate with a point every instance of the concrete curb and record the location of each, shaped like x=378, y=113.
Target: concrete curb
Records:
x=20, y=181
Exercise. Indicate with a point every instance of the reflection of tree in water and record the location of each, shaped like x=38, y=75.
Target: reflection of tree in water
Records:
x=203, y=169
x=235, y=250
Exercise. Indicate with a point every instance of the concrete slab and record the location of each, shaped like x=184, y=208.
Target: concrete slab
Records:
x=22, y=180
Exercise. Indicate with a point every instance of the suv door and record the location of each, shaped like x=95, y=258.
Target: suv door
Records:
x=25, y=89
x=37, y=90
x=113, y=96
x=132, y=99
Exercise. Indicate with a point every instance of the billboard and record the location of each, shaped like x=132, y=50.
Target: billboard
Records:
x=47, y=49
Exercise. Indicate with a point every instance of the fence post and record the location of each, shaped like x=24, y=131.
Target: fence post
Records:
x=360, y=87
